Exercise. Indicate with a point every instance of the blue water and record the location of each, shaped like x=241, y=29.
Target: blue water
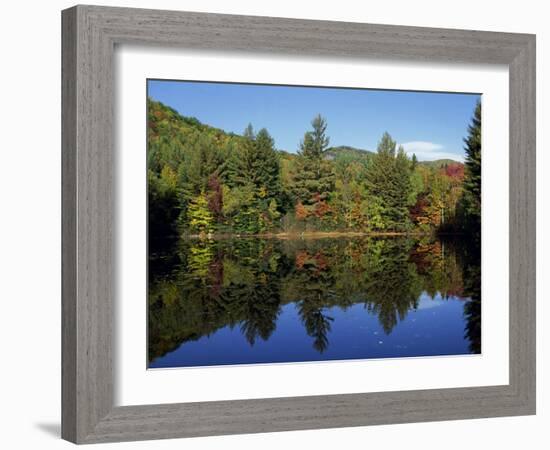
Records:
x=436, y=327
x=272, y=302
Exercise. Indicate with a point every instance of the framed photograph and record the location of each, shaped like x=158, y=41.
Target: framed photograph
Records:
x=268, y=222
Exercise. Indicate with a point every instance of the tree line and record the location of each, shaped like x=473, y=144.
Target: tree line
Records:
x=203, y=180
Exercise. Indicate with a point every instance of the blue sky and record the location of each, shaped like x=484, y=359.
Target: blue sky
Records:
x=432, y=125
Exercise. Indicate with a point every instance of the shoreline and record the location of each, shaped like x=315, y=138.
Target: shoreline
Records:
x=307, y=235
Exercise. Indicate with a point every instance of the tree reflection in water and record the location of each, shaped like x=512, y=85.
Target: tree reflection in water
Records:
x=198, y=287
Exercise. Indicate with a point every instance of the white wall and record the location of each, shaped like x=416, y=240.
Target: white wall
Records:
x=31, y=209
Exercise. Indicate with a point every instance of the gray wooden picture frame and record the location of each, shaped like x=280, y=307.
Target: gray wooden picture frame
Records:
x=90, y=34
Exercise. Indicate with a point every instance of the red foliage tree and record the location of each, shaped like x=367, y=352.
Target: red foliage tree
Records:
x=418, y=212
x=301, y=212
x=454, y=171
x=321, y=208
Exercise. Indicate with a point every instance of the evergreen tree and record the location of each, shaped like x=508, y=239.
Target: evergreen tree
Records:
x=403, y=185
x=386, y=146
x=414, y=162
x=266, y=165
x=388, y=180
x=319, y=139
x=255, y=162
x=314, y=177
x=254, y=168
x=249, y=132
x=472, y=176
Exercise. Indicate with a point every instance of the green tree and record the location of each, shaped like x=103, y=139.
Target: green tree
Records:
x=403, y=180
x=199, y=217
x=414, y=162
x=471, y=200
x=249, y=132
x=349, y=198
x=254, y=170
x=314, y=177
x=266, y=166
x=242, y=209
x=388, y=180
x=319, y=141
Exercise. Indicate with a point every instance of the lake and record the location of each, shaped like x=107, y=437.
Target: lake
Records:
x=269, y=300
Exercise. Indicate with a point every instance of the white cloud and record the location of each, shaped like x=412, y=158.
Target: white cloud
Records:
x=429, y=151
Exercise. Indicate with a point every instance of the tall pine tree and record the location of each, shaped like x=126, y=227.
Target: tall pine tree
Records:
x=256, y=162
x=314, y=177
x=414, y=162
x=266, y=166
x=472, y=176
x=254, y=167
x=388, y=184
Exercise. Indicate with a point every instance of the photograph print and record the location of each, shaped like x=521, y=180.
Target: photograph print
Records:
x=295, y=224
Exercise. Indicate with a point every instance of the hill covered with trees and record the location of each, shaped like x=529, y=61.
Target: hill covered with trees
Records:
x=203, y=180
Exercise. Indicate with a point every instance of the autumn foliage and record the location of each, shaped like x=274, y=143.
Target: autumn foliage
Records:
x=202, y=179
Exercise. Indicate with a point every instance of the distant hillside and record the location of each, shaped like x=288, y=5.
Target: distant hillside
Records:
x=165, y=121
x=438, y=163
x=347, y=151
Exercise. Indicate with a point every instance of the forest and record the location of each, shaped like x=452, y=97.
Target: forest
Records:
x=203, y=181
